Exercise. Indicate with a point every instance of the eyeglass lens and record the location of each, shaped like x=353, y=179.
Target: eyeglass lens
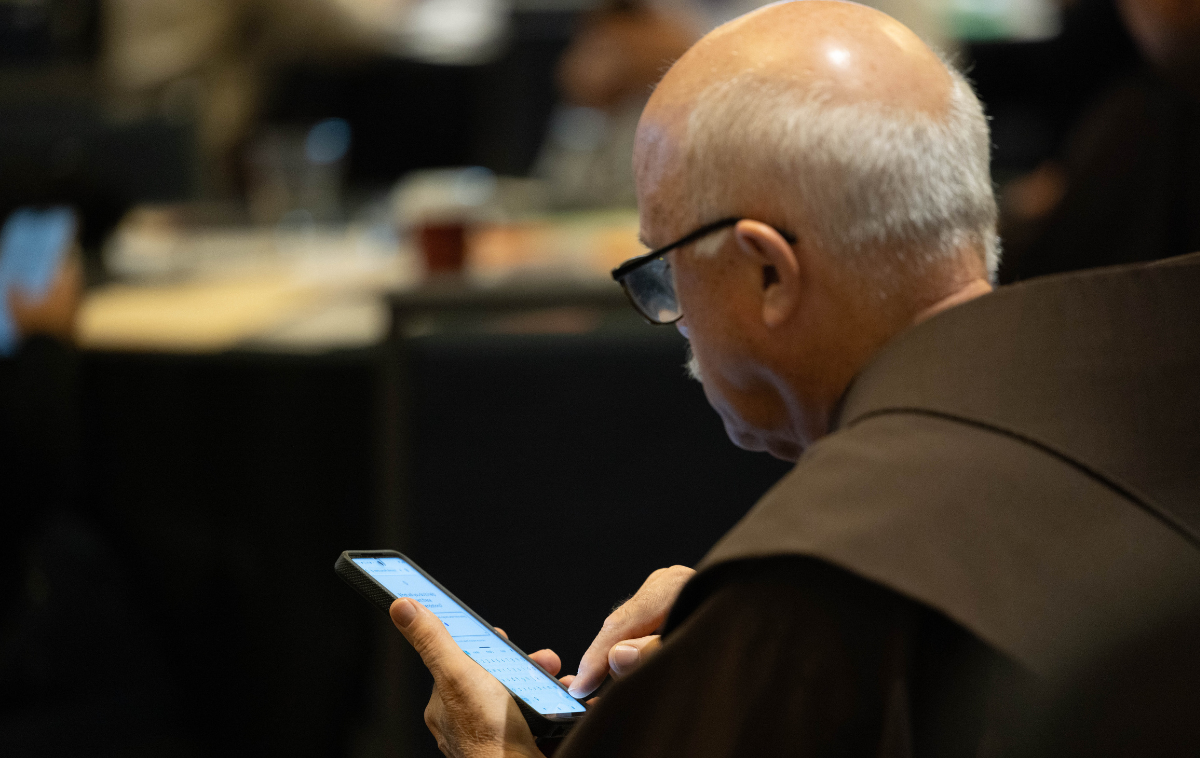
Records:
x=652, y=289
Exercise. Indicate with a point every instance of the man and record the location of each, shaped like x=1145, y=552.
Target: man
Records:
x=991, y=489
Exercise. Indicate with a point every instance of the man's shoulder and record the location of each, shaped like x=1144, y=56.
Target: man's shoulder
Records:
x=1019, y=546
x=772, y=585
x=902, y=471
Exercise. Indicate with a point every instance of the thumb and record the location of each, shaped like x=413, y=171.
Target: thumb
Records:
x=627, y=655
x=425, y=632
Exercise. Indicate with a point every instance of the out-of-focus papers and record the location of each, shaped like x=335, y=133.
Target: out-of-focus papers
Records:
x=209, y=289
x=191, y=317
x=353, y=321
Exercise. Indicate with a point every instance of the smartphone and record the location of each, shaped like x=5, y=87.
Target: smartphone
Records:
x=33, y=244
x=381, y=576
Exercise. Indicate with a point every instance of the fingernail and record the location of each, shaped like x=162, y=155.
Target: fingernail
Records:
x=405, y=612
x=624, y=656
x=576, y=690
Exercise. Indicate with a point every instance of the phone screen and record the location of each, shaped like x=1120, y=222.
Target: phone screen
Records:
x=32, y=245
x=522, y=678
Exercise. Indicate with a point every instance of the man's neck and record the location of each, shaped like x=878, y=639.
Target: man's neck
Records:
x=815, y=421
x=969, y=291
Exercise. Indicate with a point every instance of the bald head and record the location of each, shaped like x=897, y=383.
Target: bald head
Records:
x=849, y=53
x=799, y=107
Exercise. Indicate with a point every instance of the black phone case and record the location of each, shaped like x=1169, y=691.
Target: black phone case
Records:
x=542, y=727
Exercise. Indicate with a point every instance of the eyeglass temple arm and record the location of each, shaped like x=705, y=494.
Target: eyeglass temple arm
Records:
x=703, y=231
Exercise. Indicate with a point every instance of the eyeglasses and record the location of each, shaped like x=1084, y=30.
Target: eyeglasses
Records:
x=649, y=284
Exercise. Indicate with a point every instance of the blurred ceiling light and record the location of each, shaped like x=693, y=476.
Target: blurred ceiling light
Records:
x=458, y=31
x=437, y=31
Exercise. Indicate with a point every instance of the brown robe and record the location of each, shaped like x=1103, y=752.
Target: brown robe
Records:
x=1012, y=492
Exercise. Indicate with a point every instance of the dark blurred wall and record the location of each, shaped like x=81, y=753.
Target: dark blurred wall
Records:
x=230, y=485
x=36, y=32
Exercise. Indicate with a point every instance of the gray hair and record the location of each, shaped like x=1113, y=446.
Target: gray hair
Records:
x=887, y=192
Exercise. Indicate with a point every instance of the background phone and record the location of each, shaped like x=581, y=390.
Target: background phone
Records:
x=384, y=575
x=32, y=246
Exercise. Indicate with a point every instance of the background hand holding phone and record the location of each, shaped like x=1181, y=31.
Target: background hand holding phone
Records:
x=54, y=312
x=40, y=280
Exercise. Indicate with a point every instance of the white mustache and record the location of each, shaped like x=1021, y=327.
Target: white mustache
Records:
x=692, y=366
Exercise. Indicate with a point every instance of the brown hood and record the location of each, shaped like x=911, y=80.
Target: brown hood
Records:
x=1027, y=463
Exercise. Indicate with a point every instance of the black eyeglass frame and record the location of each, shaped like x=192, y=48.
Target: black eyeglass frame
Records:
x=620, y=272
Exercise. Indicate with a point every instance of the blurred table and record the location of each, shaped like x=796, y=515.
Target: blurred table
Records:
x=185, y=287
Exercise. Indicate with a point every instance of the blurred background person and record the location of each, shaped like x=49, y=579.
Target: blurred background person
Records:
x=1123, y=182
x=604, y=78
x=38, y=434
x=79, y=669
x=220, y=62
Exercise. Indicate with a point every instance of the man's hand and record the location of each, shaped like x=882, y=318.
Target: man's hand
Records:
x=53, y=314
x=623, y=644
x=470, y=713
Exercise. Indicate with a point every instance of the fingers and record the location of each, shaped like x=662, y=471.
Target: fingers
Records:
x=427, y=634
x=470, y=712
x=547, y=659
x=54, y=312
x=642, y=614
x=627, y=655
x=593, y=667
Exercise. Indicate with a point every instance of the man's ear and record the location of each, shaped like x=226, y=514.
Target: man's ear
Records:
x=781, y=270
